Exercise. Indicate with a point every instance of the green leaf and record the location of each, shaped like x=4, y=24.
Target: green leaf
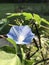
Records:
x=8, y=49
x=28, y=16
x=14, y=14
x=29, y=62
x=9, y=58
x=12, y=42
x=2, y=21
x=17, y=47
x=4, y=28
x=37, y=18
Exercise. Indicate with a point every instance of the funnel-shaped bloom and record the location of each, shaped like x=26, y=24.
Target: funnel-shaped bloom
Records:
x=21, y=34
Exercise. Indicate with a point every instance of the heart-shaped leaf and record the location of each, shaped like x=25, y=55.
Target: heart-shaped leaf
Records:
x=9, y=58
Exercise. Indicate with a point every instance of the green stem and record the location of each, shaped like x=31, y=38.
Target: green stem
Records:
x=44, y=27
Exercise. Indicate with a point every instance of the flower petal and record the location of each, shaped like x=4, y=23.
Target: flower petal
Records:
x=21, y=34
x=29, y=37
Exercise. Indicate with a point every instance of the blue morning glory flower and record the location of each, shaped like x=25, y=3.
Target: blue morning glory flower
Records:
x=21, y=34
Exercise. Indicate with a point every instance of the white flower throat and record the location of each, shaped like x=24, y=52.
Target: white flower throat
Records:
x=21, y=38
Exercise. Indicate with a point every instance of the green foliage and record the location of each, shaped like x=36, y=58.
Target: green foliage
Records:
x=16, y=55
x=12, y=42
x=9, y=58
x=19, y=19
x=29, y=62
x=27, y=16
x=37, y=18
x=4, y=26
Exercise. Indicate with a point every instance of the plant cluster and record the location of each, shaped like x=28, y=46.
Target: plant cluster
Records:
x=20, y=29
